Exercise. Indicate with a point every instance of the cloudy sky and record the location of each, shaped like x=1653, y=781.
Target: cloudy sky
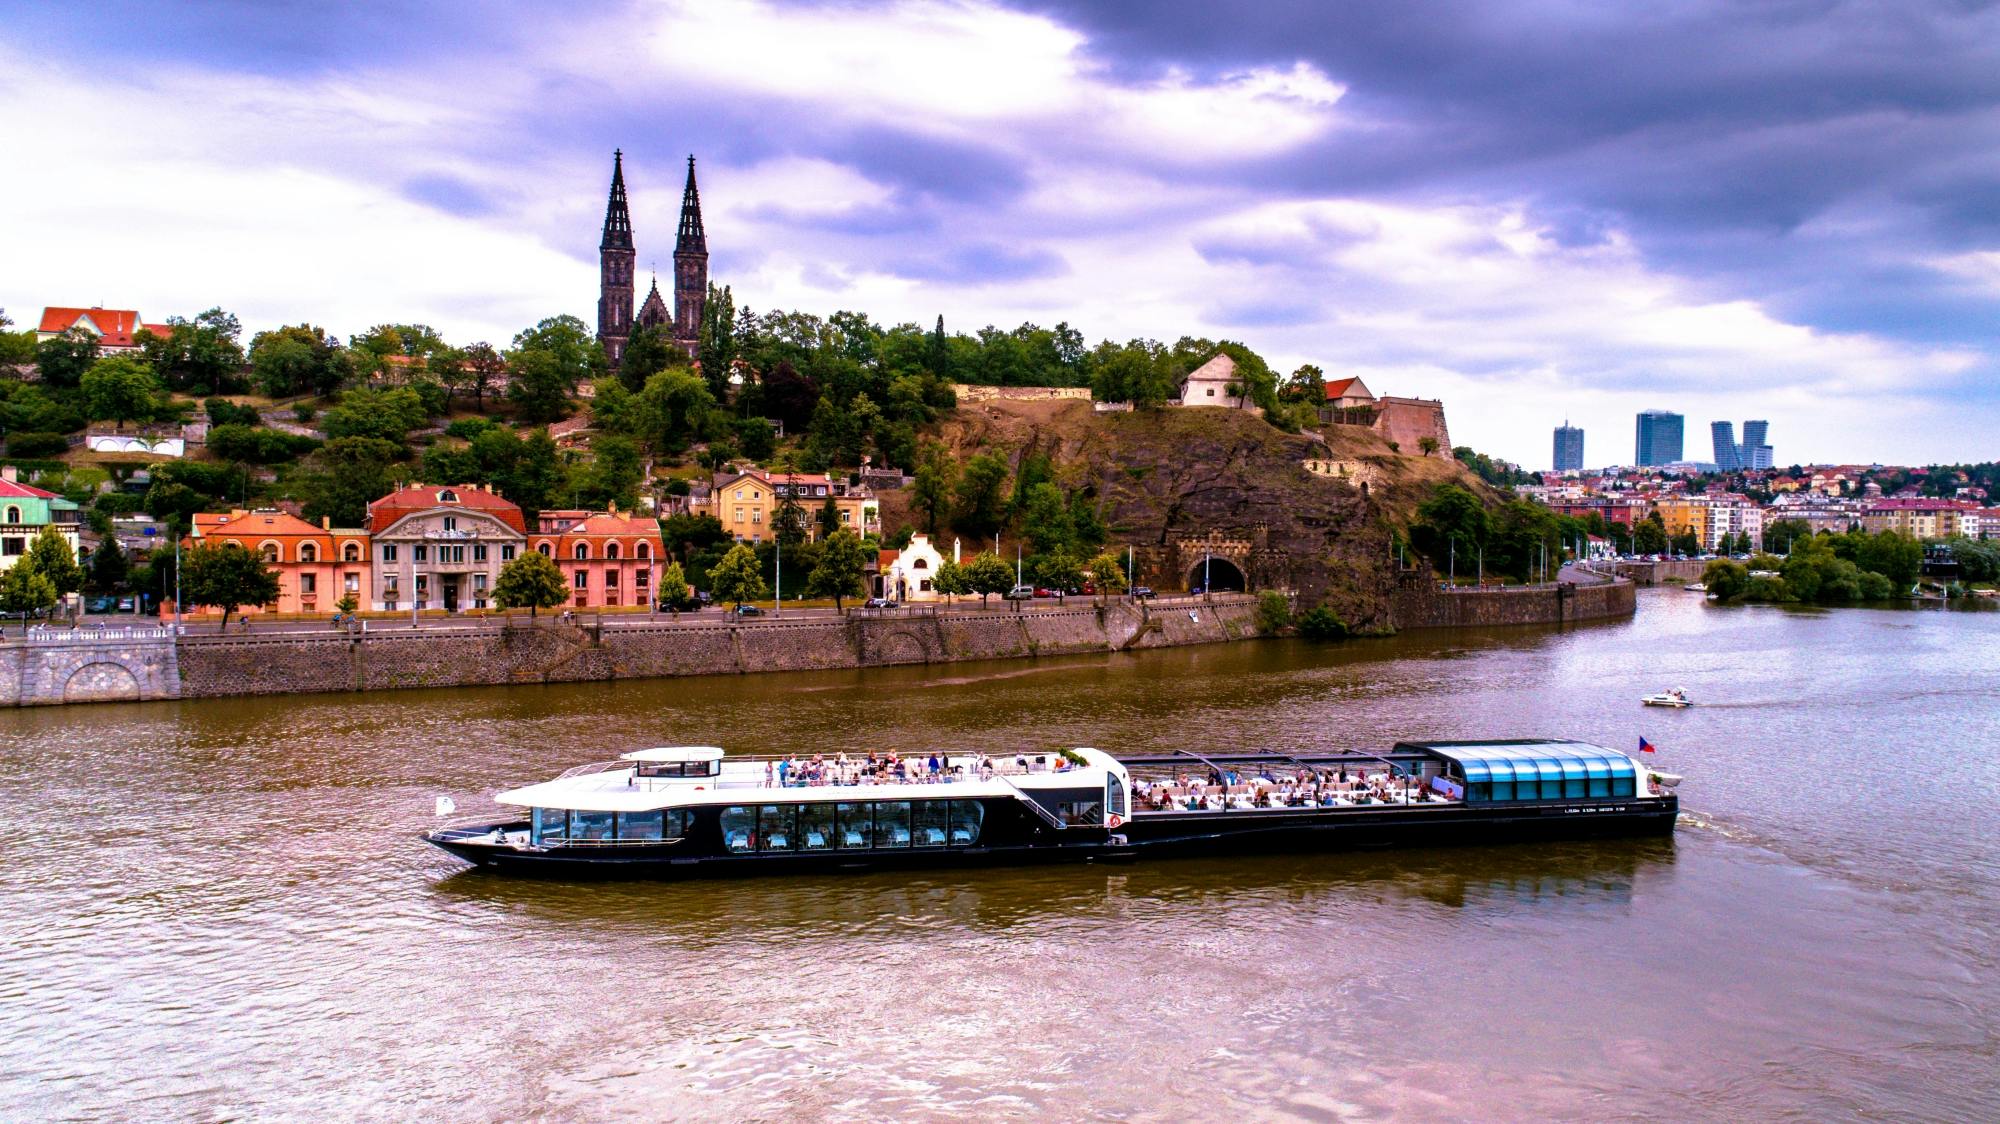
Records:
x=1782, y=209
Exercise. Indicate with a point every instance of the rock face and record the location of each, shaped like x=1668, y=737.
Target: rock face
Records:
x=1222, y=492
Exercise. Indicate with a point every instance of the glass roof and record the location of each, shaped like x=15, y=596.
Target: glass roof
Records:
x=1532, y=759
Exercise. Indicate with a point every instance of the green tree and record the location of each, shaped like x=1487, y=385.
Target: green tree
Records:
x=738, y=577
x=981, y=494
x=675, y=407
x=1649, y=535
x=1320, y=624
x=386, y=415
x=340, y=480
x=52, y=556
x=828, y=518
x=1107, y=573
x=950, y=580
x=1045, y=520
x=298, y=359
x=531, y=581
x=789, y=520
x=1895, y=556
x=570, y=342
x=26, y=590
x=199, y=356
x=1059, y=570
x=838, y=572
x=674, y=588
x=538, y=386
x=63, y=359
x=486, y=372
x=1780, y=534
x=986, y=575
x=1451, y=524
x=716, y=343
x=1274, y=612
x=121, y=388
x=1726, y=580
x=447, y=365
x=226, y=576
x=937, y=476
x=108, y=566
x=650, y=350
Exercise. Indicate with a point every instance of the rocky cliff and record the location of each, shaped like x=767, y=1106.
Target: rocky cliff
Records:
x=1313, y=512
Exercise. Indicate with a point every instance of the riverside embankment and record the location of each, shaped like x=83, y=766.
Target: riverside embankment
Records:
x=62, y=666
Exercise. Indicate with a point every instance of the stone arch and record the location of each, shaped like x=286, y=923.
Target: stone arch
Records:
x=1221, y=574
x=902, y=647
x=101, y=682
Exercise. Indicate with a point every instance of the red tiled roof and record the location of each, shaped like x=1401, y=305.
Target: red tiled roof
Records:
x=16, y=489
x=604, y=524
x=424, y=497
x=1338, y=388
x=116, y=324
x=249, y=523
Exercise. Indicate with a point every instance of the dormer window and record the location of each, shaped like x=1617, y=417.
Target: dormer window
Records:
x=447, y=496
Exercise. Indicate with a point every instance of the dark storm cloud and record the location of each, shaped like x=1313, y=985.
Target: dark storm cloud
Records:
x=1721, y=135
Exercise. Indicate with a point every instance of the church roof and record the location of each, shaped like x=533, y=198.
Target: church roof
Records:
x=691, y=238
x=617, y=215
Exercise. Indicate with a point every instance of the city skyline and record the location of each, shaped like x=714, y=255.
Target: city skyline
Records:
x=1284, y=178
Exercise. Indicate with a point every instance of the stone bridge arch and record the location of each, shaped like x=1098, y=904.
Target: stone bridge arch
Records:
x=101, y=681
x=901, y=647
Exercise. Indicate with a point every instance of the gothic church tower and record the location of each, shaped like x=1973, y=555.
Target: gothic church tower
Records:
x=614, y=266
x=690, y=268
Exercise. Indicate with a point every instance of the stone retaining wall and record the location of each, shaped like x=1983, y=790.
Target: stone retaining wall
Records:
x=1426, y=606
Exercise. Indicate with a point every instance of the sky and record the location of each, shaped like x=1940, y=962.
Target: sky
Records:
x=1535, y=211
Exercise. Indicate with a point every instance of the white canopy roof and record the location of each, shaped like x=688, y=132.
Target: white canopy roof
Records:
x=674, y=753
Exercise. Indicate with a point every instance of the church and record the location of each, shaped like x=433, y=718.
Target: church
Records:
x=615, y=257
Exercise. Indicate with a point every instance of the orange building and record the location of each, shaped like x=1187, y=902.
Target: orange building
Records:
x=316, y=566
x=610, y=560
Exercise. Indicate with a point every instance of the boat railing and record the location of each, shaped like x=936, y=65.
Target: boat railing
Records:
x=566, y=843
x=1044, y=814
x=594, y=767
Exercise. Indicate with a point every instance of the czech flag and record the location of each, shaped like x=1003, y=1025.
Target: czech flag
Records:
x=1646, y=746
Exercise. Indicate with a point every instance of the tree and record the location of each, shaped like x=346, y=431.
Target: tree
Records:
x=1781, y=533
x=981, y=495
x=339, y=481
x=485, y=370
x=674, y=588
x=685, y=534
x=26, y=590
x=1895, y=556
x=1726, y=580
x=789, y=520
x=569, y=342
x=674, y=408
x=1107, y=574
x=386, y=415
x=650, y=350
x=1649, y=535
x=199, y=356
x=937, y=475
x=532, y=581
x=226, y=576
x=1058, y=570
x=1428, y=445
x=738, y=577
x=950, y=578
x=537, y=386
x=1045, y=520
x=298, y=359
x=716, y=342
x=52, y=556
x=108, y=566
x=1450, y=522
x=987, y=574
x=121, y=388
x=828, y=518
x=63, y=359
x=838, y=573
x=448, y=366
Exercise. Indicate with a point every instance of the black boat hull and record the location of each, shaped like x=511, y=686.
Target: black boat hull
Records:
x=1151, y=835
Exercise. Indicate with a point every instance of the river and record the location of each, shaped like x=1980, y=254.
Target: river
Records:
x=221, y=909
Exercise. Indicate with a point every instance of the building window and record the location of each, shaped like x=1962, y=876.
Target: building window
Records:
x=1211, y=392
x=544, y=548
x=389, y=604
x=506, y=554
x=388, y=552
x=451, y=522
x=479, y=583
x=611, y=579
x=270, y=552
x=352, y=583
x=351, y=552
x=13, y=546
x=447, y=496
x=13, y=514
x=423, y=586
x=581, y=580
x=643, y=578
x=757, y=515
x=308, y=584
x=581, y=552
x=478, y=552
x=846, y=516
x=457, y=554
x=308, y=552
x=420, y=553
x=643, y=551
x=611, y=550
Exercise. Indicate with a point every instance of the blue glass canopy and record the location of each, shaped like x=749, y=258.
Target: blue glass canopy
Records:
x=1537, y=770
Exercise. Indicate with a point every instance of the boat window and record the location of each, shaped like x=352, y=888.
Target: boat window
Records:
x=551, y=825
x=641, y=825
x=816, y=827
x=1624, y=779
x=1081, y=813
x=966, y=817
x=1114, y=795
x=589, y=825
x=892, y=823
x=1573, y=778
x=777, y=825
x=855, y=827
x=931, y=820
x=1600, y=777
x=739, y=828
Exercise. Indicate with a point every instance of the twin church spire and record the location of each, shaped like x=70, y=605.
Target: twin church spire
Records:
x=616, y=255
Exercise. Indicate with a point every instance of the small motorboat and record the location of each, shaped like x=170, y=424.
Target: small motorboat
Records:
x=1678, y=697
x=1695, y=587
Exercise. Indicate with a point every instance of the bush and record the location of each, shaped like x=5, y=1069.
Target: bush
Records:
x=37, y=444
x=1726, y=580
x=221, y=411
x=257, y=445
x=305, y=412
x=1318, y=623
x=466, y=429
x=1274, y=611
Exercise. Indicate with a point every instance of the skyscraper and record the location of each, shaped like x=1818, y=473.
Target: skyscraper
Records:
x=1569, y=448
x=1660, y=433
x=1755, y=453
x=1724, y=436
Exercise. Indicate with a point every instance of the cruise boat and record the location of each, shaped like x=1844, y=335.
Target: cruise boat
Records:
x=1676, y=698
x=694, y=811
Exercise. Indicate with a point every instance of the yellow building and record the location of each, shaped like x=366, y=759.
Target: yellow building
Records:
x=1688, y=515
x=1921, y=519
x=747, y=504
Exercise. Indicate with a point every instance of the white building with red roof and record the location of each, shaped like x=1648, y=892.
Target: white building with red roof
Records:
x=441, y=547
x=116, y=329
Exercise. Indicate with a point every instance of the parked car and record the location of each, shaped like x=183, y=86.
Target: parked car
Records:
x=749, y=611
x=1041, y=591
x=879, y=603
x=1020, y=593
x=1143, y=592
x=108, y=605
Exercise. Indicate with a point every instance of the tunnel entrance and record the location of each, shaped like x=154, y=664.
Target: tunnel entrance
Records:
x=1216, y=575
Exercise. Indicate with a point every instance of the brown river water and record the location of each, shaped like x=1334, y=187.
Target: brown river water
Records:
x=221, y=910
